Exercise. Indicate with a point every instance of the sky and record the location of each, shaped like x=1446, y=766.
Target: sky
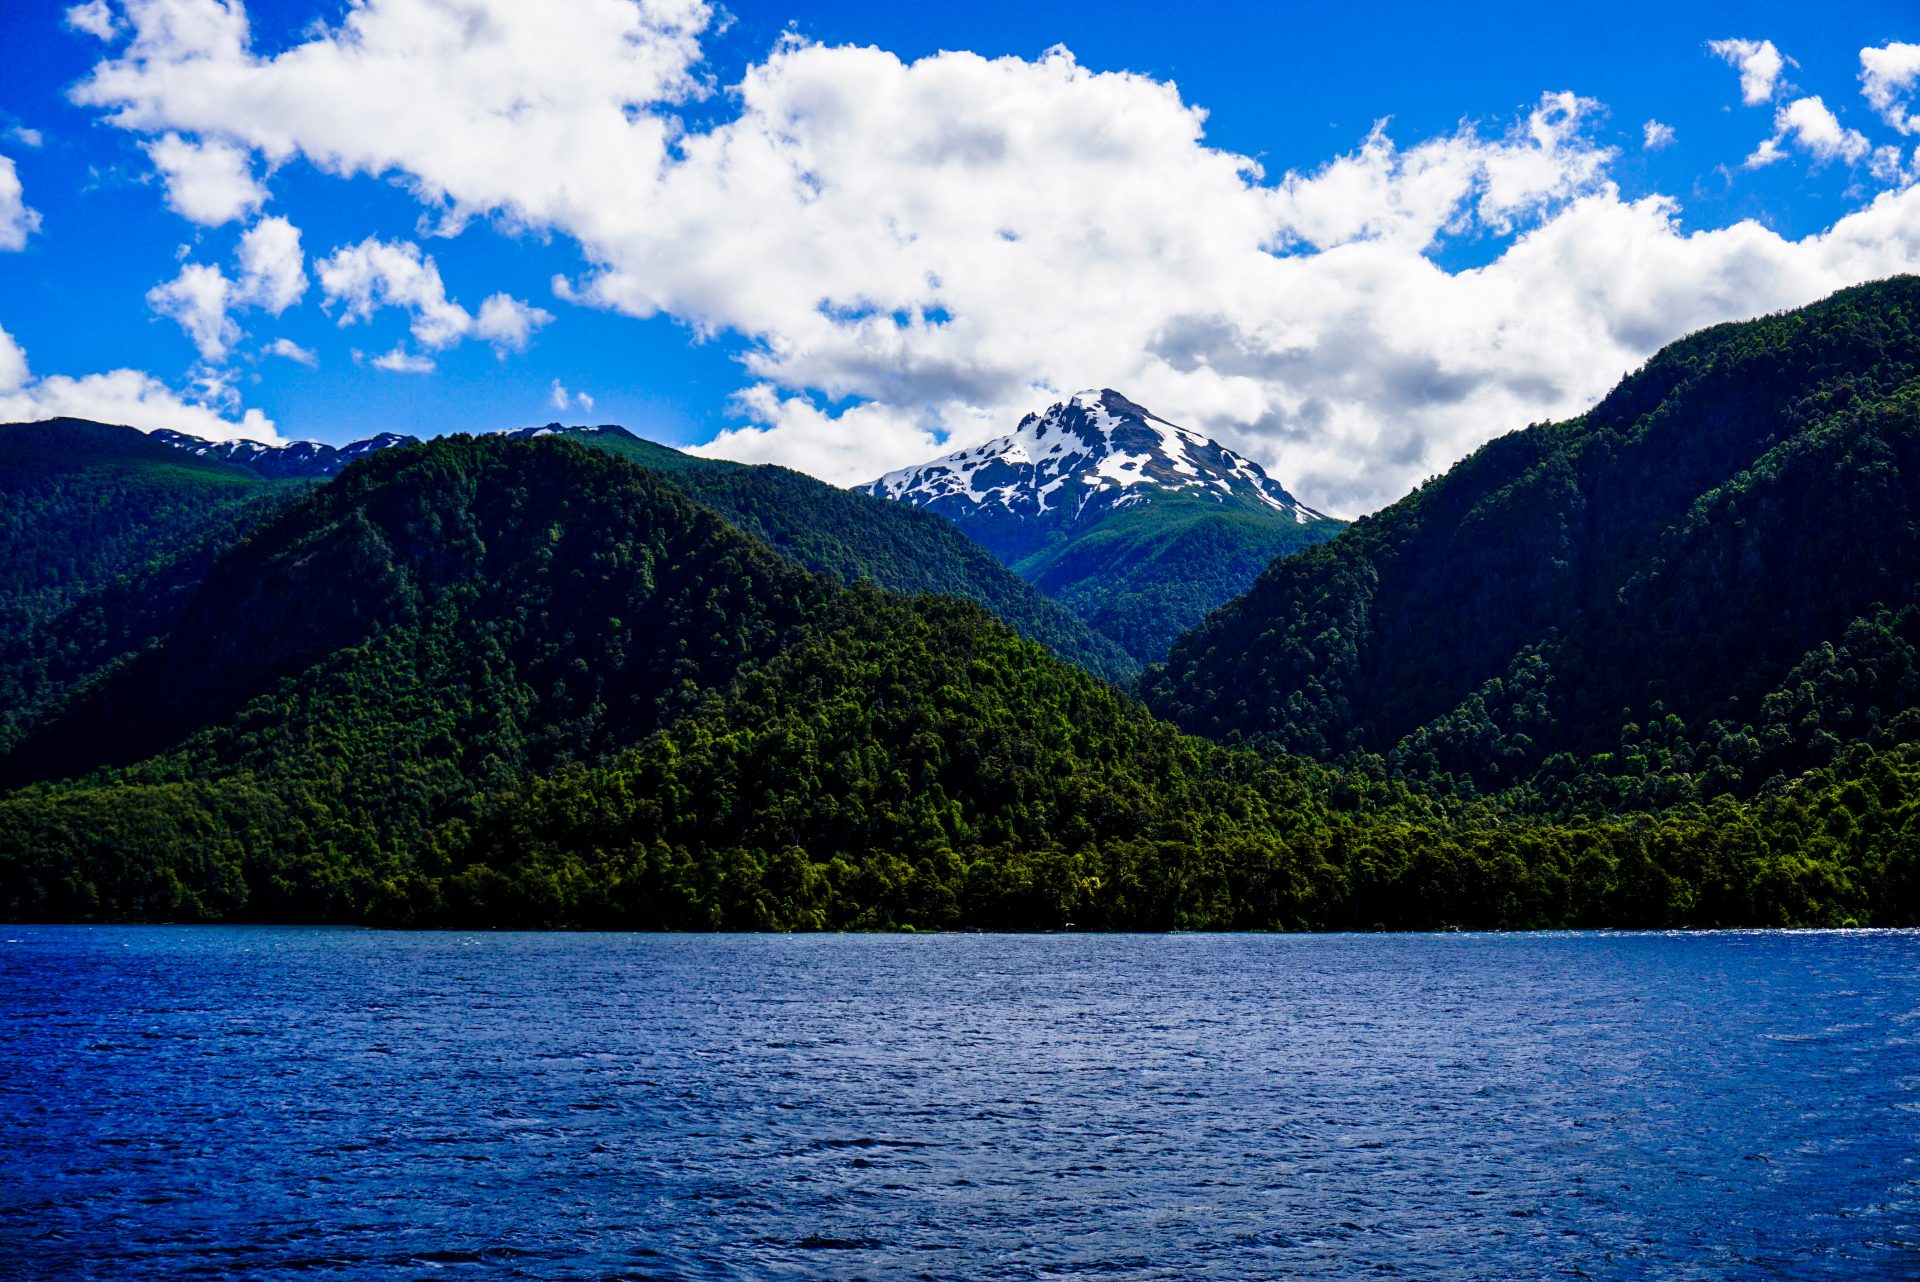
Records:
x=1353, y=242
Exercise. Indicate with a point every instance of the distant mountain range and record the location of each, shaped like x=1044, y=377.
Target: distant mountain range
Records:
x=83, y=504
x=100, y=526
x=1138, y=525
x=293, y=460
x=1130, y=527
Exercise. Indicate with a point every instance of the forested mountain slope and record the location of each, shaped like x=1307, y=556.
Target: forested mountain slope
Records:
x=495, y=682
x=1704, y=584
x=93, y=503
x=83, y=503
x=849, y=537
x=526, y=603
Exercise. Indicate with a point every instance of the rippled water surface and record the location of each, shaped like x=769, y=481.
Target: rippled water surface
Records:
x=237, y=1102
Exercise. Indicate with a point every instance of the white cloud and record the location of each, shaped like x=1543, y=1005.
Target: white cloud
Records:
x=1808, y=124
x=95, y=18
x=946, y=244
x=1887, y=77
x=361, y=279
x=1654, y=135
x=124, y=396
x=17, y=222
x=272, y=267
x=508, y=323
x=1890, y=167
x=1759, y=64
x=209, y=183
x=26, y=137
x=401, y=361
x=200, y=298
x=197, y=300
x=562, y=399
x=1412, y=197
x=465, y=102
x=290, y=350
x=844, y=448
x=377, y=273
x=13, y=365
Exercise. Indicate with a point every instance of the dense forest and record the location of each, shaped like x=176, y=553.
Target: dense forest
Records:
x=113, y=529
x=1144, y=575
x=491, y=682
x=1705, y=585
x=82, y=504
x=494, y=681
x=850, y=537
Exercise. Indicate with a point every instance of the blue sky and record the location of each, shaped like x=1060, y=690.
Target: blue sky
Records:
x=847, y=365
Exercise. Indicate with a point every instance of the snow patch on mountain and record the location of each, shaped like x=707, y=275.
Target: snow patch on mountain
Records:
x=295, y=458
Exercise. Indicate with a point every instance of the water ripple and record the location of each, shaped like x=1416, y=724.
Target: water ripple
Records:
x=231, y=1102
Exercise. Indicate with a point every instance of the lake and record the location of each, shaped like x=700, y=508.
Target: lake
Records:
x=226, y=1101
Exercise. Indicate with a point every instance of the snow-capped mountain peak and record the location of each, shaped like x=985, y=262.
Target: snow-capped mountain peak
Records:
x=1091, y=454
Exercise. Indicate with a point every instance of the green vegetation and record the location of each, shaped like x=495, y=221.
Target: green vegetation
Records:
x=1659, y=666
x=82, y=504
x=489, y=682
x=108, y=532
x=851, y=537
x=1704, y=586
x=1143, y=575
x=475, y=609
x=914, y=765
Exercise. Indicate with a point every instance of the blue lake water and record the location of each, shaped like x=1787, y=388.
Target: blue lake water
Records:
x=240, y=1102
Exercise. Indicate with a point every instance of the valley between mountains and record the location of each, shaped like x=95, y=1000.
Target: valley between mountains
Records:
x=1656, y=665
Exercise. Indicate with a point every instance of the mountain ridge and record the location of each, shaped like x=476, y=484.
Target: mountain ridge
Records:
x=290, y=460
x=488, y=682
x=1637, y=586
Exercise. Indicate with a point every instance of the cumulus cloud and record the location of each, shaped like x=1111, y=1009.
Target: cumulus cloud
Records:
x=272, y=267
x=1759, y=64
x=508, y=323
x=1654, y=135
x=290, y=350
x=201, y=298
x=1446, y=184
x=401, y=361
x=916, y=253
x=209, y=183
x=1808, y=124
x=1887, y=78
x=197, y=301
x=95, y=18
x=361, y=279
x=13, y=366
x=17, y=222
x=1890, y=166
x=468, y=104
x=124, y=396
x=840, y=447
